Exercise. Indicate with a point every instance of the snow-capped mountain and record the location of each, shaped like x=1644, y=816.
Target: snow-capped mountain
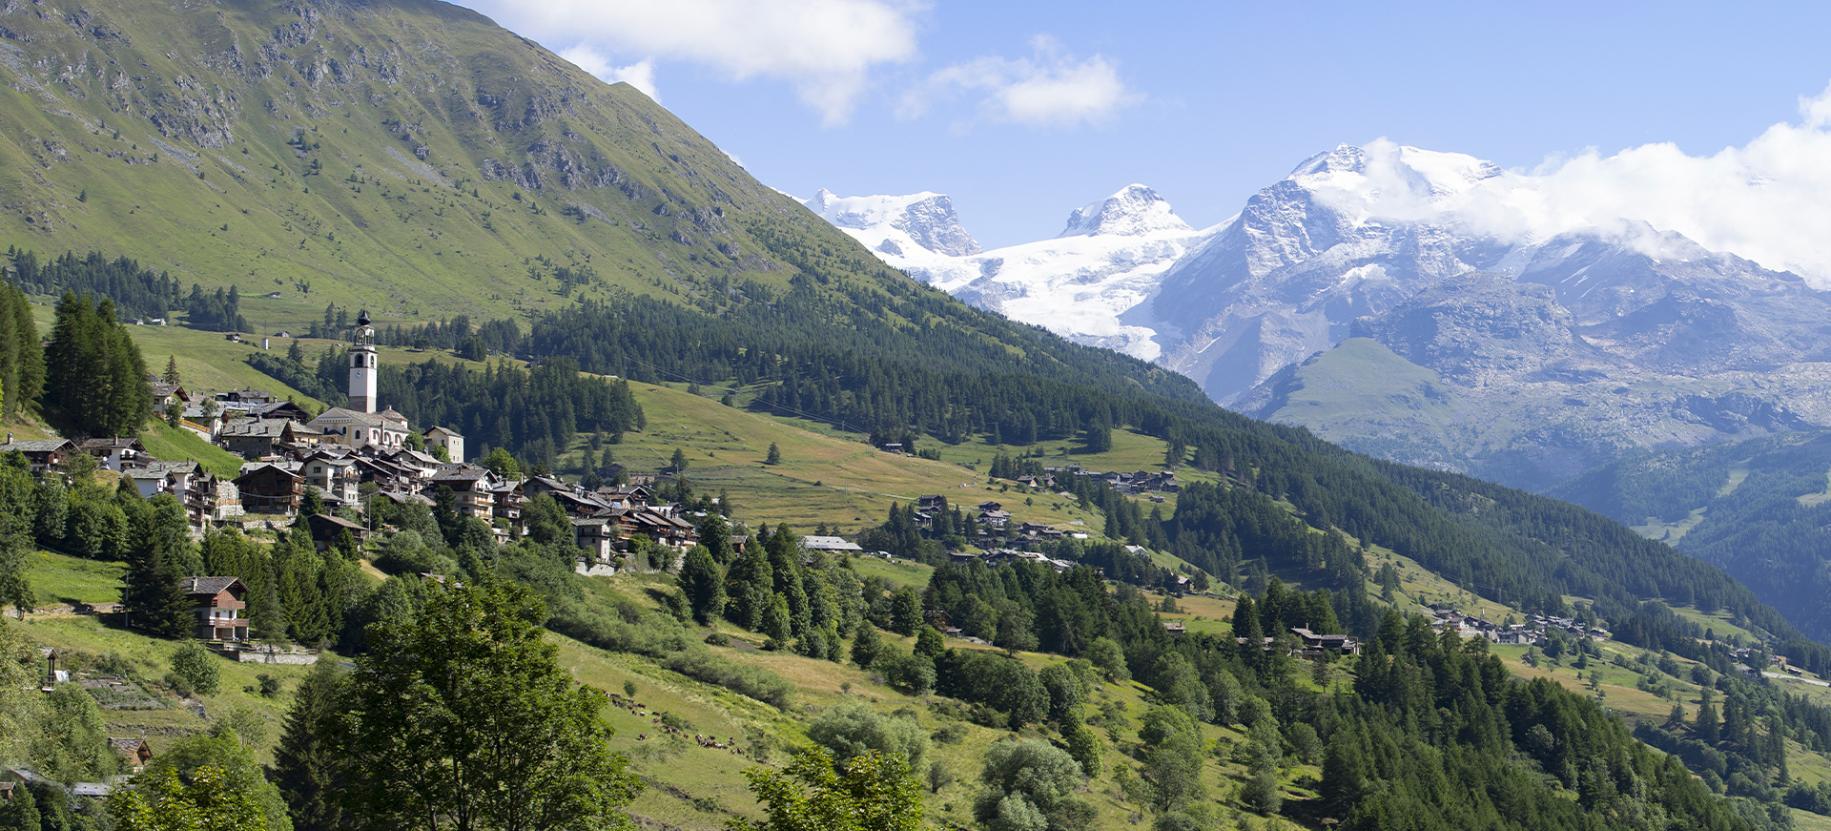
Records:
x=1107, y=259
x=1372, y=296
x=1304, y=259
x=896, y=225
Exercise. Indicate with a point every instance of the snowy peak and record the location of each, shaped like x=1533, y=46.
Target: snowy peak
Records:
x=1383, y=169
x=1134, y=210
x=927, y=218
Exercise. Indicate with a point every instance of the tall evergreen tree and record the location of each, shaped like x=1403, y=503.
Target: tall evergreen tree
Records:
x=151, y=598
x=310, y=772
x=703, y=585
x=95, y=376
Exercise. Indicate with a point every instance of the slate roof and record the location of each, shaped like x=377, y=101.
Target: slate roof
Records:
x=206, y=585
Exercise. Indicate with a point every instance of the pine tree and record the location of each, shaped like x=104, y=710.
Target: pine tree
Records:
x=866, y=645
x=171, y=370
x=159, y=557
x=1249, y=633
x=308, y=769
x=1343, y=776
x=95, y=377
x=775, y=455
x=703, y=585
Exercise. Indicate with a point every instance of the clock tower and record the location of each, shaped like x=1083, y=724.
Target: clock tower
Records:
x=363, y=367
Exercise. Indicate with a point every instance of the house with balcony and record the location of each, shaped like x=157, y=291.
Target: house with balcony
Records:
x=218, y=606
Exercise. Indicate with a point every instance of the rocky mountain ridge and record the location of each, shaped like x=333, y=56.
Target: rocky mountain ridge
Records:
x=1559, y=354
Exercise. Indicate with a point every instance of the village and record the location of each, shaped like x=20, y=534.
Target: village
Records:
x=1534, y=631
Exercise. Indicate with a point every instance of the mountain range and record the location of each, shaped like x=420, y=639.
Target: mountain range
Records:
x=1361, y=296
x=411, y=157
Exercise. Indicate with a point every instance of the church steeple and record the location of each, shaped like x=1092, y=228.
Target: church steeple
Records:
x=363, y=366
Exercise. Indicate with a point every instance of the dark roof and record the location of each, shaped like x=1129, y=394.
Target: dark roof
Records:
x=110, y=443
x=460, y=473
x=35, y=445
x=335, y=521
x=206, y=585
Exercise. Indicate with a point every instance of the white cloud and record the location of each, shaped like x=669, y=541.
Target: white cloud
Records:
x=825, y=48
x=1048, y=88
x=640, y=74
x=1768, y=200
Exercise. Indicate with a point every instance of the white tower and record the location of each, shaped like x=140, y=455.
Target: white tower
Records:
x=363, y=366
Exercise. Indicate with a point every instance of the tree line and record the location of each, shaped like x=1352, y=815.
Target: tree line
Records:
x=137, y=291
x=534, y=414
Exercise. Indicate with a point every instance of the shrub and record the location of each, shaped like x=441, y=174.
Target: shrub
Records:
x=907, y=672
x=196, y=669
x=852, y=729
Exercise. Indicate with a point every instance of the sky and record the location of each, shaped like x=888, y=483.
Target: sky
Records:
x=1022, y=111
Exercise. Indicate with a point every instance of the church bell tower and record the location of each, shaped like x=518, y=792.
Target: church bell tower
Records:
x=362, y=365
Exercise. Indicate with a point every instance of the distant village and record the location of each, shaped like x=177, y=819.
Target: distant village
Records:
x=350, y=456
x=1534, y=631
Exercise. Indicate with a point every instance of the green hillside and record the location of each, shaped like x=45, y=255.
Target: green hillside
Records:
x=1757, y=508
x=409, y=157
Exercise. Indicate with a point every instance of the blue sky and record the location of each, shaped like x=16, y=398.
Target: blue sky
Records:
x=1022, y=111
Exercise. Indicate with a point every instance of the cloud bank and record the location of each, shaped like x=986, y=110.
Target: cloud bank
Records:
x=1050, y=88
x=1768, y=200
x=826, y=49
x=640, y=74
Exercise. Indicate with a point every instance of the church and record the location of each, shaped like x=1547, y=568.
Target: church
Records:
x=359, y=426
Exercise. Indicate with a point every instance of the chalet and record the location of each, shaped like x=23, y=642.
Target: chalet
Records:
x=835, y=545
x=656, y=524
x=217, y=604
x=203, y=421
x=337, y=478
x=134, y=753
x=212, y=500
x=254, y=437
x=154, y=477
x=280, y=409
x=243, y=400
x=470, y=484
x=415, y=463
x=167, y=396
x=577, y=503
x=113, y=454
x=598, y=536
x=1315, y=645
x=40, y=454
x=406, y=498
x=451, y=440
x=632, y=495
x=1175, y=628
x=506, y=500
x=932, y=502
x=270, y=489
x=328, y=529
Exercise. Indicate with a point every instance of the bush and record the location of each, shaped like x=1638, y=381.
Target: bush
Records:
x=852, y=729
x=701, y=665
x=195, y=668
x=270, y=686
x=907, y=672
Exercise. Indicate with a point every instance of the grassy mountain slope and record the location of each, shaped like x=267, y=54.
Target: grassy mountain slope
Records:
x=408, y=156
x=1758, y=508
